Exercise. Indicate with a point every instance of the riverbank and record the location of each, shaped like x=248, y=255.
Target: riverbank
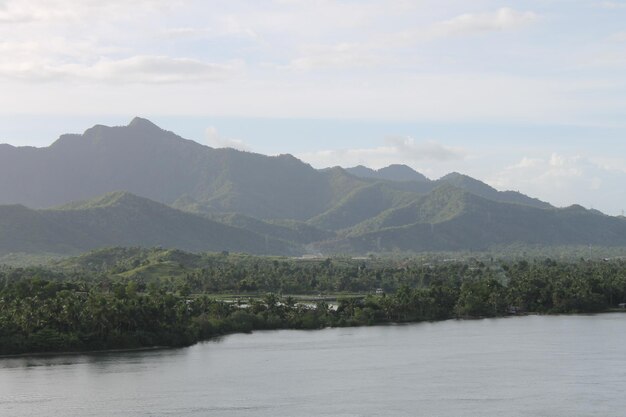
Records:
x=216, y=337
x=46, y=311
x=532, y=366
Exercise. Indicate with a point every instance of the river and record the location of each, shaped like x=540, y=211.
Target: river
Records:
x=544, y=366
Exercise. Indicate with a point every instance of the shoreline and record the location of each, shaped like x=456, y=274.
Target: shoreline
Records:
x=213, y=338
x=86, y=352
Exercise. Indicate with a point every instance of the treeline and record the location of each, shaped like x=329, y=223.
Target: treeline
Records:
x=42, y=310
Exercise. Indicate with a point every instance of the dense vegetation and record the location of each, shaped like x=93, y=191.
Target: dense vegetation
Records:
x=130, y=298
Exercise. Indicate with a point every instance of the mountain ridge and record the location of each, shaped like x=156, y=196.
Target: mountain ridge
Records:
x=142, y=185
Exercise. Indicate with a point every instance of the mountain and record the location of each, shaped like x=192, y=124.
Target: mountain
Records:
x=421, y=184
x=145, y=160
x=123, y=219
x=391, y=173
x=481, y=189
x=179, y=193
x=451, y=219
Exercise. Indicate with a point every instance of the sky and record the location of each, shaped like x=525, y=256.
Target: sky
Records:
x=524, y=95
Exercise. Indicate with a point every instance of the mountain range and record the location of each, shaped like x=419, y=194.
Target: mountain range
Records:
x=139, y=185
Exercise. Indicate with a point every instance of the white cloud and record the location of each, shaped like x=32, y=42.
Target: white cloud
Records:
x=612, y=5
x=340, y=56
x=92, y=41
x=369, y=53
x=27, y=11
x=46, y=11
x=608, y=60
x=201, y=47
x=223, y=27
x=395, y=150
x=566, y=179
x=186, y=32
x=136, y=69
x=156, y=69
x=472, y=23
x=466, y=25
x=305, y=18
x=420, y=151
x=618, y=37
x=215, y=140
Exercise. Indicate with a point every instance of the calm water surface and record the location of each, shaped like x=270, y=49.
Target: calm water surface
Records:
x=524, y=366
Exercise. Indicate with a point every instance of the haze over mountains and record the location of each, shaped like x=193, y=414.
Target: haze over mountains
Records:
x=174, y=192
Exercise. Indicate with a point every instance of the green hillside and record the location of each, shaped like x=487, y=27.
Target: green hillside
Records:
x=453, y=219
x=481, y=189
x=289, y=230
x=123, y=219
x=361, y=204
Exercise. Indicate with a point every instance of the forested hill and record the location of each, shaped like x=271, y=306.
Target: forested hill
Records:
x=449, y=218
x=124, y=219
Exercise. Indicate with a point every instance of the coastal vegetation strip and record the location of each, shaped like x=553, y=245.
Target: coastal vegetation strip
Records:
x=77, y=305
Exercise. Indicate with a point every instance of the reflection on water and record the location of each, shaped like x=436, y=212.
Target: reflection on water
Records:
x=523, y=366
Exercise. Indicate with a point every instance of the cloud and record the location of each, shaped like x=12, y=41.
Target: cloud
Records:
x=340, y=56
x=157, y=69
x=24, y=11
x=566, y=179
x=472, y=23
x=612, y=5
x=468, y=24
x=136, y=69
x=223, y=27
x=606, y=60
x=186, y=32
x=369, y=53
x=618, y=37
x=395, y=150
x=92, y=41
x=420, y=151
x=215, y=140
x=189, y=50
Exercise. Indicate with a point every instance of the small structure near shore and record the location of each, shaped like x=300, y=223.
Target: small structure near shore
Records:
x=515, y=310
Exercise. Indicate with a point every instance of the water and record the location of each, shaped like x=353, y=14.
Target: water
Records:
x=523, y=366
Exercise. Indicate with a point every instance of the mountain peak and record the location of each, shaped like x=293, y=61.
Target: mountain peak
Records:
x=141, y=123
x=455, y=176
x=395, y=172
x=401, y=172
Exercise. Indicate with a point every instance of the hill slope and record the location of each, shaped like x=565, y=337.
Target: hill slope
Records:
x=123, y=219
x=361, y=204
x=451, y=219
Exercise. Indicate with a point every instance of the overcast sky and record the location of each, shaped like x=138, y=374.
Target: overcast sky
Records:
x=525, y=95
